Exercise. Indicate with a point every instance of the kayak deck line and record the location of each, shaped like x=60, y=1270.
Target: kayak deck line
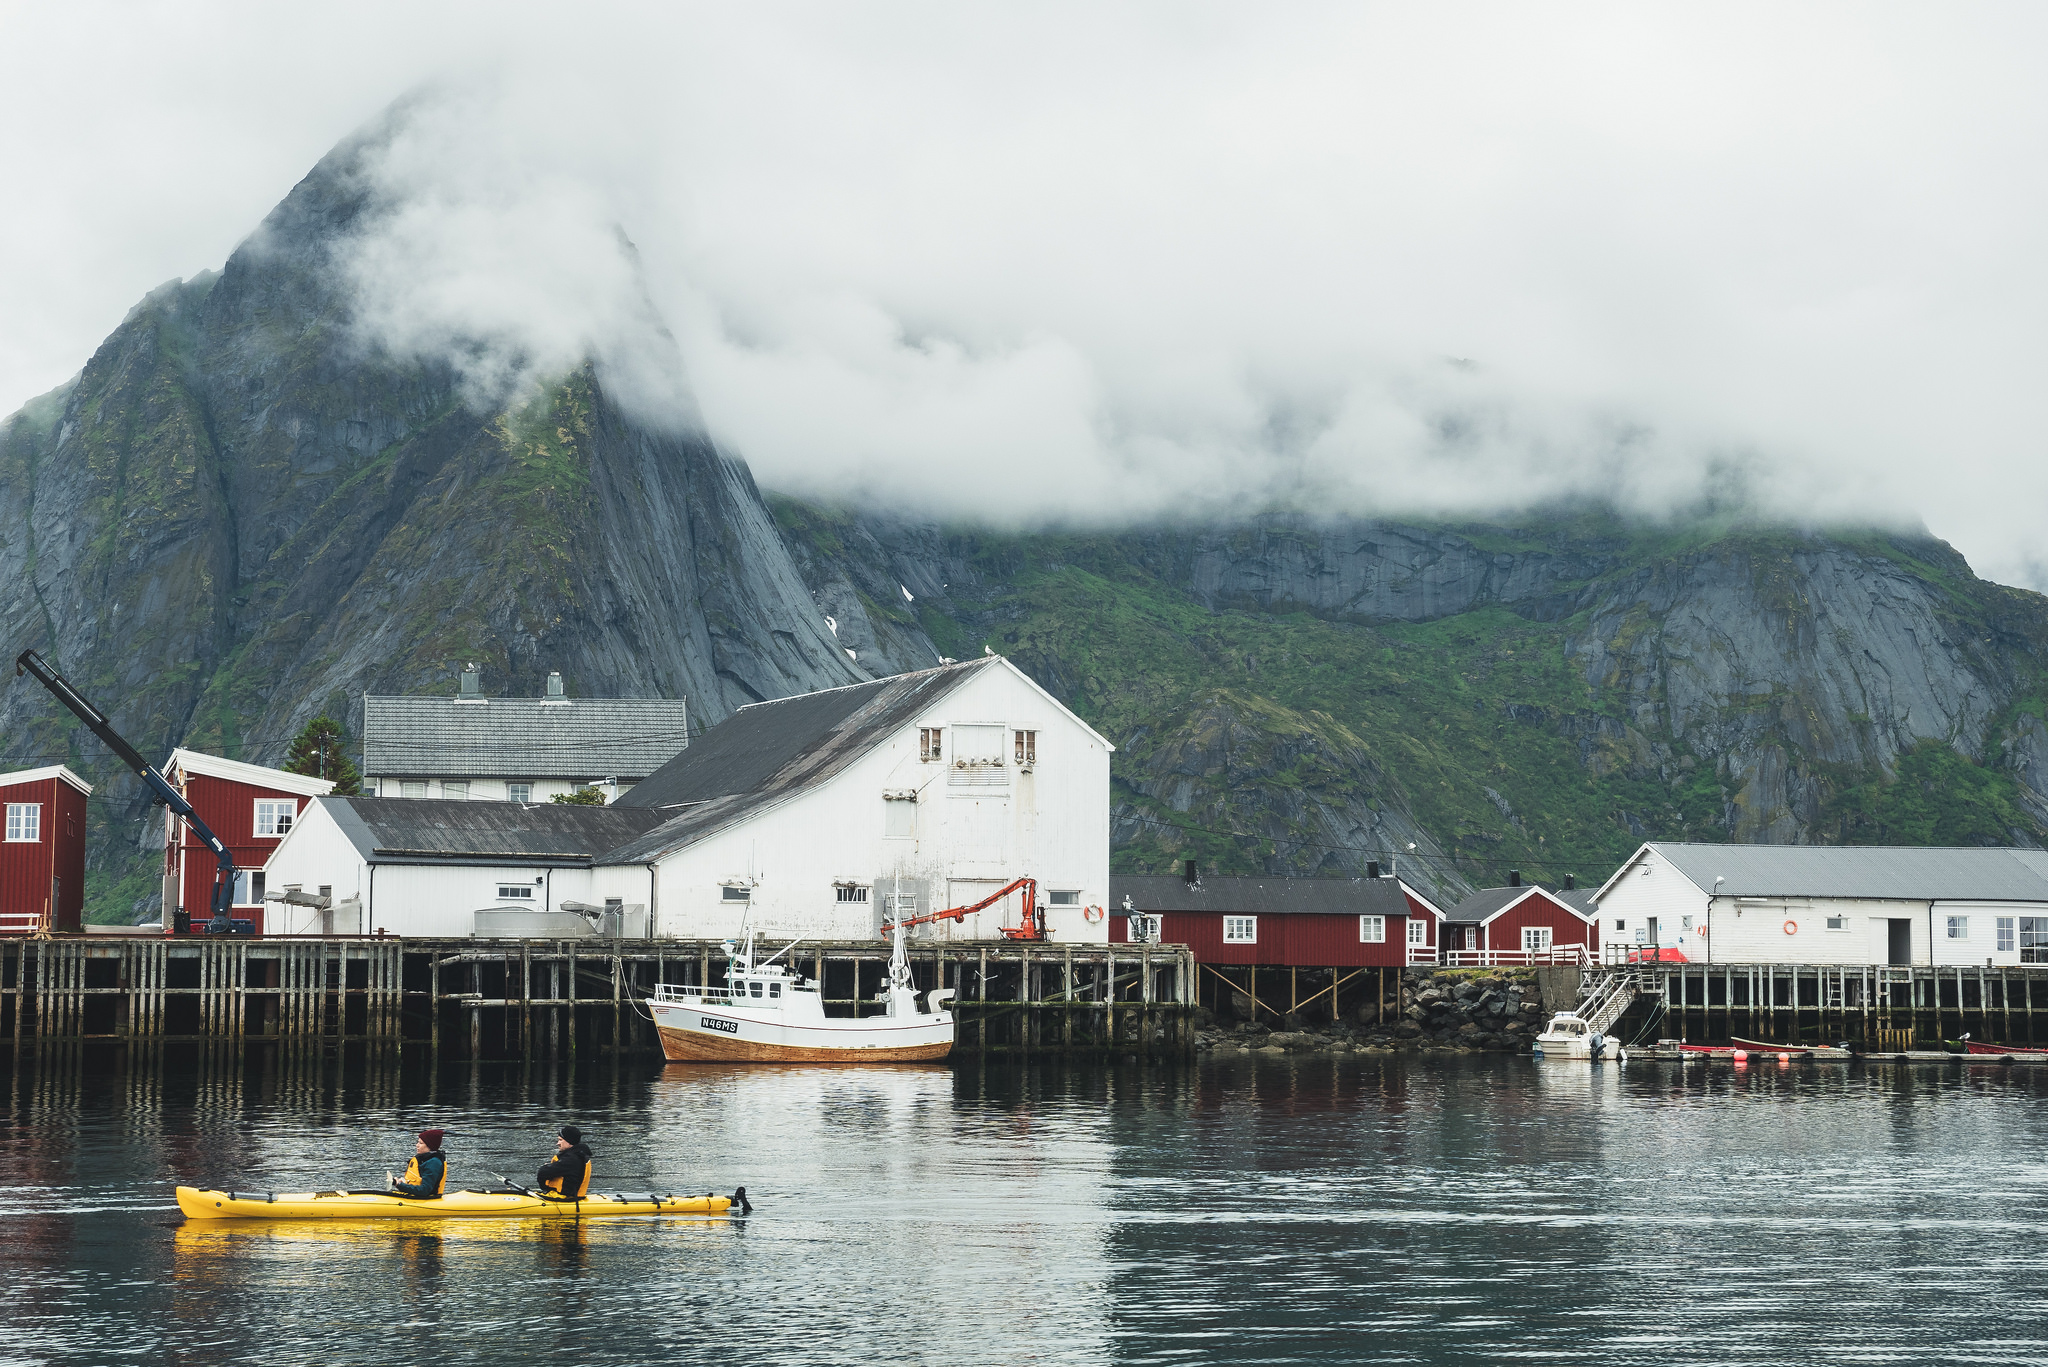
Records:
x=214, y=1204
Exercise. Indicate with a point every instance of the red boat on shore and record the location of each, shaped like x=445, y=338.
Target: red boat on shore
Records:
x=1759, y=1047
x=1973, y=1047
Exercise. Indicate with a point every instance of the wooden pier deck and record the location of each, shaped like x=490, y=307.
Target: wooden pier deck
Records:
x=524, y=999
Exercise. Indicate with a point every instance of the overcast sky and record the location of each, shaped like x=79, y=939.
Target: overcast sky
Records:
x=1108, y=261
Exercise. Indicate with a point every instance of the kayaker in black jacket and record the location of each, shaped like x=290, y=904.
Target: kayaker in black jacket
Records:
x=568, y=1172
x=427, y=1175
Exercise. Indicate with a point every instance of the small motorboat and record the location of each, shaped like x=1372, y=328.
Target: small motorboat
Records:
x=1971, y=1046
x=383, y=1205
x=1568, y=1036
x=767, y=1014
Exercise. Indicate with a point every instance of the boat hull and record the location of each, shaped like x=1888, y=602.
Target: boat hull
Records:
x=707, y=1034
x=199, y=1204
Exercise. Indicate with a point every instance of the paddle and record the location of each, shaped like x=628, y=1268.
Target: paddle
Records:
x=514, y=1185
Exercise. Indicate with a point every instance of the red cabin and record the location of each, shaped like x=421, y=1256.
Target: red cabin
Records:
x=1522, y=925
x=250, y=808
x=42, y=859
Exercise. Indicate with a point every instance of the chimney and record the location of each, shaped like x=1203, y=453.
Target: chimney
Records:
x=555, y=686
x=1191, y=872
x=1372, y=868
x=472, y=683
x=1514, y=878
x=1571, y=882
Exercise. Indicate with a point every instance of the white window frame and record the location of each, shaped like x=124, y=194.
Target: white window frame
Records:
x=24, y=823
x=411, y=788
x=521, y=793
x=455, y=789
x=849, y=894
x=1372, y=930
x=1141, y=929
x=736, y=892
x=515, y=892
x=931, y=744
x=1063, y=897
x=1958, y=927
x=1025, y=746
x=248, y=888
x=1835, y=922
x=2007, y=940
x=1240, y=930
x=1418, y=931
x=1536, y=939
x=274, y=817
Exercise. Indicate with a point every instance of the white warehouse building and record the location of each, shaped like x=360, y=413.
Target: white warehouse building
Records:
x=808, y=816
x=1836, y=904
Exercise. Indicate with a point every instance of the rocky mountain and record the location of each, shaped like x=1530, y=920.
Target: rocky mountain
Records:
x=240, y=515
x=1303, y=696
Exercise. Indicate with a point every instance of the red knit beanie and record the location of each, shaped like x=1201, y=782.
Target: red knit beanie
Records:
x=432, y=1139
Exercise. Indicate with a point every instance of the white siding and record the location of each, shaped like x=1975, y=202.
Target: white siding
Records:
x=1652, y=887
x=314, y=853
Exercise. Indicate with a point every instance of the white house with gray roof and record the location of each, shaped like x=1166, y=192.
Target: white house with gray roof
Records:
x=471, y=747
x=1835, y=904
x=816, y=815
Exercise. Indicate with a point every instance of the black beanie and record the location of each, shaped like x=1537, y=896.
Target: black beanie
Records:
x=572, y=1134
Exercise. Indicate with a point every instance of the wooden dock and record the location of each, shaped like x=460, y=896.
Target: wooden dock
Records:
x=548, y=999
x=1900, y=1011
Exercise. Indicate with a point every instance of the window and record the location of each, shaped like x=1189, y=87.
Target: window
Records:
x=458, y=789
x=774, y=989
x=1621, y=925
x=1838, y=923
x=1958, y=927
x=736, y=894
x=1372, y=930
x=1240, y=930
x=1026, y=746
x=1685, y=923
x=249, y=887
x=1535, y=939
x=1065, y=898
x=24, y=821
x=275, y=818
x=1144, y=930
x=848, y=892
x=977, y=757
x=1418, y=931
x=2005, y=935
x=412, y=790
x=2034, y=939
x=753, y=989
x=899, y=818
x=519, y=792
x=515, y=892
x=928, y=738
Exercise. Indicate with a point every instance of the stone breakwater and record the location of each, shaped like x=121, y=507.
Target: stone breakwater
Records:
x=1457, y=1010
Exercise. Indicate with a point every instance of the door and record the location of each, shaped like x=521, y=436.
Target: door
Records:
x=1651, y=927
x=1899, y=941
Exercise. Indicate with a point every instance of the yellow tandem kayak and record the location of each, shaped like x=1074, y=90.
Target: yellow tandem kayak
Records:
x=363, y=1205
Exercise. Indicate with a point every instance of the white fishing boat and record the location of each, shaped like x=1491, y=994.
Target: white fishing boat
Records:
x=1569, y=1036
x=767, y=1014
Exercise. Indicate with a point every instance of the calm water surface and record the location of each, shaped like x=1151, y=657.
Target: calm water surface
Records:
x=1344, y=1210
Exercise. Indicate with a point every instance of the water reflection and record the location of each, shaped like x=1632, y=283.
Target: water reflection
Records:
x=1302, y=1209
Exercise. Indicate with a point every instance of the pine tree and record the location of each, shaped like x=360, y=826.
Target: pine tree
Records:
x=321, y=751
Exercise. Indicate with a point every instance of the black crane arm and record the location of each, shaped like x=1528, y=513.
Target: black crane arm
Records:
x=28, y=662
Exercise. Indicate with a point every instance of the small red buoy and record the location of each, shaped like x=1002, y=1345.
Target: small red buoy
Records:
x=1742, y=1055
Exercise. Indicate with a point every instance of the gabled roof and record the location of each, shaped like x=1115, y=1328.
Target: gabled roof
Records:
x=60, y=772
x=1903, y=873
x=1273, y=896
x=256, y=775
x=411, y=830
x=770, y=751
x=575, y=738
x=1487, y=903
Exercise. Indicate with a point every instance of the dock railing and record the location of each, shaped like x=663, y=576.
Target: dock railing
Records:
x=1558, y=956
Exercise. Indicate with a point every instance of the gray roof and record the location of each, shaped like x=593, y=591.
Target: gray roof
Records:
x=580, y=738
x=1251, y=896
x=768, y=751
x=400, y=830
x=1487, y=901
x=1908, y=873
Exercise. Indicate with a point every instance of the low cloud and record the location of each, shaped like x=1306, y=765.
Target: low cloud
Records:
x=1111, y=265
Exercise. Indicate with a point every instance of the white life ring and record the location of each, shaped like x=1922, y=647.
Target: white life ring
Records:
x=1791, y=927
x=1093, y=914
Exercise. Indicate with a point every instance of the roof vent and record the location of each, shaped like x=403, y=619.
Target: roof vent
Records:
x=1372, y=868
x=555, y=686
x=472, y=684
x=1191, y=871
x=1514, y=878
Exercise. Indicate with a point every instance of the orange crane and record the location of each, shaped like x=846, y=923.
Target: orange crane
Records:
x=1034, y=914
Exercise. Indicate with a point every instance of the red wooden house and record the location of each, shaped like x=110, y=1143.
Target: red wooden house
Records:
x=1521, y=924
x=1256, y=923
x=250, y=808
x=42, y=859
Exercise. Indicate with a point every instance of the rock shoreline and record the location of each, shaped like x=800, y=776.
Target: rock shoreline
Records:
x=1470, y=1011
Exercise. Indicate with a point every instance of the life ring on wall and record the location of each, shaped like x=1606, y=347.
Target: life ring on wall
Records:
x=1791, y=927
x=1093, y=914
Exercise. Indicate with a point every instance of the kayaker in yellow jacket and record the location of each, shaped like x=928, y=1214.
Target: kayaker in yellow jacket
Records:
x=426, y=1177
x=568, y=1172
